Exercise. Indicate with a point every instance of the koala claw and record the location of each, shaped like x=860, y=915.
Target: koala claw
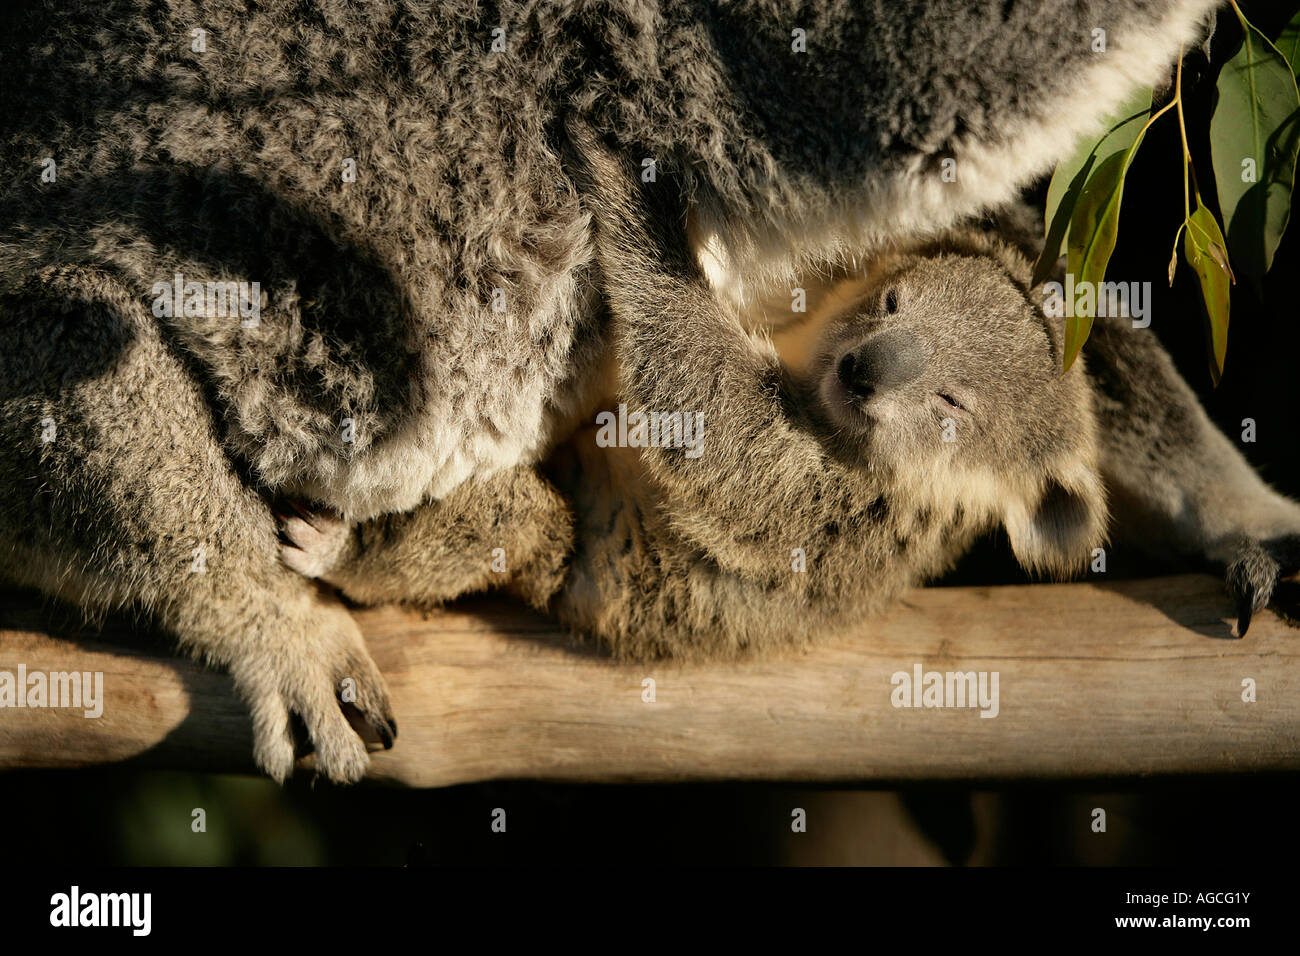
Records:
x=1245, y=608
x=312, y=542
x=1254, y=572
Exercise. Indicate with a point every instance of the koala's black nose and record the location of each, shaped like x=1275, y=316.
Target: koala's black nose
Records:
x=887, y=360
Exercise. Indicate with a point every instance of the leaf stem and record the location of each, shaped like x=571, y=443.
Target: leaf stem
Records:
x=1182, y=132
x=1155, y=116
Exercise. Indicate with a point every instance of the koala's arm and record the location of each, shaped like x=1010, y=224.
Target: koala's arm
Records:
x=1178, y=485
x=511, y=530
x=762, y=485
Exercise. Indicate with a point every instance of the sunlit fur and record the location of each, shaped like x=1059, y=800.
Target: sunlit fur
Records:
x=381, y=376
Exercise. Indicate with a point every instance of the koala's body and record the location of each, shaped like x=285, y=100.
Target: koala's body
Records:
x=382, y=188
x=854, y=455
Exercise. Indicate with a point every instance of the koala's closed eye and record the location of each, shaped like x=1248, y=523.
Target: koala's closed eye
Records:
x=952, y=402
x=891, y=301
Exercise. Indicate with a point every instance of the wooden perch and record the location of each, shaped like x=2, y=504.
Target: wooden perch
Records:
x=1127, y=678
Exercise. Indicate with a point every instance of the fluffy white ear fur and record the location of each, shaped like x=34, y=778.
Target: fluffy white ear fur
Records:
x=1053, y=532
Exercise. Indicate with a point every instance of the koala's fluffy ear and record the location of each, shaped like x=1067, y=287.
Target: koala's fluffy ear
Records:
x=1054, y=531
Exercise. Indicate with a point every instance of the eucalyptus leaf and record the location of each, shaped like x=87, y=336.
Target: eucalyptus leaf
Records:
x=1072, y=173
x=1254, y=138
x=1206, y=252
x=1093, y=230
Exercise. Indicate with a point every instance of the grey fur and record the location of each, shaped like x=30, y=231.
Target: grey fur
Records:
x=226, y=165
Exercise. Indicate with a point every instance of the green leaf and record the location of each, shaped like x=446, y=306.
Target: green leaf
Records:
x=1288, y=42
x=1206, y=252
x=1072, y=173
x=1093, y=230
x=1254, y=138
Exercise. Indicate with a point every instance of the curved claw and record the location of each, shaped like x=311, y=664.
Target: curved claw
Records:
x=385, y=734
x=1251, y=576
x=1245, y=609
x=304, y=513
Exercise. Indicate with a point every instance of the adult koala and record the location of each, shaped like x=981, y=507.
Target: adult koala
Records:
x=333, y=251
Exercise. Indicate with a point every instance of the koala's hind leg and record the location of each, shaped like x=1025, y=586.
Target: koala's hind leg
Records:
x=1177, y=483
x=511, y=530
x=115, y=493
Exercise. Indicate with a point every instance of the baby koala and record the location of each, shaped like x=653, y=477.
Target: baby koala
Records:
x=855, y=455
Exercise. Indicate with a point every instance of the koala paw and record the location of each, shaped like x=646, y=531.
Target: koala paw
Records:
x=313, y=543
x=323, y=675
x=1254, y=572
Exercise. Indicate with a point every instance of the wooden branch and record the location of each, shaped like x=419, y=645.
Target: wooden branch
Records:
x=1134, y=677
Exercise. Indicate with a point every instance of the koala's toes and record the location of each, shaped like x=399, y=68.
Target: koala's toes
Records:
x=330, y=684
x=273, y=745
x=313, y=543
x=1254, y=572
x=346, y=718
x=341, y=755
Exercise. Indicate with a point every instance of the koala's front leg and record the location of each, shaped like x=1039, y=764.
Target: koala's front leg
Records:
x=1177, y=484
x=511, y=530
x=681, y=353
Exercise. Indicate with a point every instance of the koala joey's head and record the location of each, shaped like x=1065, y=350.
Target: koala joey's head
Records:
x=946, y=373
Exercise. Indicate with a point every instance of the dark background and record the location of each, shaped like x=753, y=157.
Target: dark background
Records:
x=108, y=815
